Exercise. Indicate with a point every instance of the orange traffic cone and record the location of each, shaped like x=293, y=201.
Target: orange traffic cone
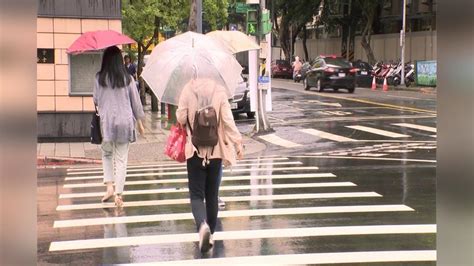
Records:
x=385, y=86
x=374, y=84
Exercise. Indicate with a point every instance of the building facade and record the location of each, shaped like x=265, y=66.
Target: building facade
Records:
x=65, y=82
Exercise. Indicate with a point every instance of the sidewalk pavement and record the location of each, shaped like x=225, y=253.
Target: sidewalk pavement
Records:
x=148, y=148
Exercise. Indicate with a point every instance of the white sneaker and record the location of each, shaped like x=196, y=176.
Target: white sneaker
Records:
x=221, y=203
x=211, y=240
x=204, y=238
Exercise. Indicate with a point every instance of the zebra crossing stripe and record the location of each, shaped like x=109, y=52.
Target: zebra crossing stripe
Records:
x=274, y=139
x=185, y=180
x=379, y=131
x=244, y=234
x=231, y=214
x=184, y=168
x=185, y=172
x=325, y=135
x=315, y=258
x=226, y=199
x=420, y=127
x=222, y=188
x=172, y=164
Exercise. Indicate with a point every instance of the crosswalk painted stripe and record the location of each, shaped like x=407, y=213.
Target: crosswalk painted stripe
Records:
x=366, y=158
x=244, y=234
x=222, y=188
x=420, y=127
x=379, y=131
x=434, y=136
x=315, y=258
x=184, y=167
x=185, y=180
x=171, y=164
x=398, y=151
x=226, y=199
x=325, y=135
x=233, y=213
x=185, y=172
x=274, y=139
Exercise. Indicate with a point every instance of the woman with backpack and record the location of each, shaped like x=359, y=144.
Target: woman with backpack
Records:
x=213, y=140
x=120, y=108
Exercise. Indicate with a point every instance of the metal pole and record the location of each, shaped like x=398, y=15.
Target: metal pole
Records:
x=199, y=15
x=402, y=37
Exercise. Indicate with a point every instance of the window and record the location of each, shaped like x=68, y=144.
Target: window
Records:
x=82, y=71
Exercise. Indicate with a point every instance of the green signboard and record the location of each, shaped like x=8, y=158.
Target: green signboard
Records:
x=241, y=8
x=425, y=73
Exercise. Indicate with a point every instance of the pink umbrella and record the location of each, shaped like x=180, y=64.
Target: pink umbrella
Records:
x=97, y=40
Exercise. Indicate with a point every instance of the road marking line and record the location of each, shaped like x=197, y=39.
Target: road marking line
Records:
x=78, y=169
x=379, y=131
x=353, y=119
x=399, y=151
x=243, y=234
x=229, y=214
x=274, y=139
x=366, y=158
x=185, y=180
x=325, y=135
x=226, y=199
x=423, y=147
x=424, y=128
x=315, y=258
x=185, y=172
x=184, y=168
x=222, y=188
x=371, y=154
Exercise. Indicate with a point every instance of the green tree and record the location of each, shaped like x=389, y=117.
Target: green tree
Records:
x=369, y=11
x=362, y=15
x=215, y=13
x=290, y=18
x=142, y=19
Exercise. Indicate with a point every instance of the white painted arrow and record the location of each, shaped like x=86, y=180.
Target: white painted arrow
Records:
x=323, y=103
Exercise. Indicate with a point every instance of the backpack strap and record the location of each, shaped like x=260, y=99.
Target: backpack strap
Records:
x=191, y=129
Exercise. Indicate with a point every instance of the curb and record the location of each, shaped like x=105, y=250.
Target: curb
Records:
x=45, y=161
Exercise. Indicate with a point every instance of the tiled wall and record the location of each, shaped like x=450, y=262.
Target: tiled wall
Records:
x=53, y=79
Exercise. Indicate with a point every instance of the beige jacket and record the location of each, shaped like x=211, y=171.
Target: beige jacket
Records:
x=213, y=94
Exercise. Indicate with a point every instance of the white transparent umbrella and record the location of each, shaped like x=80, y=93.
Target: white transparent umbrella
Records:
x=190, y=56
x=236, y=41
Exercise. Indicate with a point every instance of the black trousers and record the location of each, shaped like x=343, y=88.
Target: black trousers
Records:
x=203, y=183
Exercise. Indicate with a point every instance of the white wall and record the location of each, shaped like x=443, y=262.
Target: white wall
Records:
x=419, y=46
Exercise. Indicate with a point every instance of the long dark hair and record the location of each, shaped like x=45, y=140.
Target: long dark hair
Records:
x=113, y=70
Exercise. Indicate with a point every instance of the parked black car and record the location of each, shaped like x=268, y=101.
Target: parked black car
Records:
x=240, y=103
x=364, y=73
x=331, y=71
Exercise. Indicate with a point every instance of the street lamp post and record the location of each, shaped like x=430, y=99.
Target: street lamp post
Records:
x=402, y=41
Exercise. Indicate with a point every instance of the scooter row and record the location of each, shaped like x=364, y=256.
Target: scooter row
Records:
x=392, y=72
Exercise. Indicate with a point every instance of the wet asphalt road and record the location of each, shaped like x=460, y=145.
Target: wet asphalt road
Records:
x=345, y=178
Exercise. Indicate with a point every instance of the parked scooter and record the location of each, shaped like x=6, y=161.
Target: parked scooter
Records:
x=298, y=76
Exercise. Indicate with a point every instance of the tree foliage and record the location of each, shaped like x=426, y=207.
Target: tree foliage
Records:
x=290, y=18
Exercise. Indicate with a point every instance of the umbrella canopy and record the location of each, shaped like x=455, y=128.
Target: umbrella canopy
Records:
x=98, y=40
x=236, y=41
x=187, y=57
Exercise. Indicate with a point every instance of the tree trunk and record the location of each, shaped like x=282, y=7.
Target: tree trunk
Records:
x=141, y=84
x=192, y=26
x=365, y=42
x=284, y=33
x=305, y=48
